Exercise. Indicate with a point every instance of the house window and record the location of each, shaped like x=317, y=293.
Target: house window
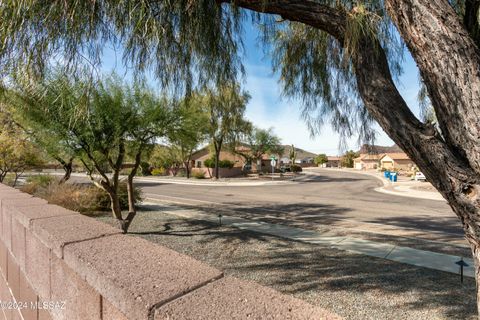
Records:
x=199, y=164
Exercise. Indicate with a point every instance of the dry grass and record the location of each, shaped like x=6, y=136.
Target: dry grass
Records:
x=84, y=198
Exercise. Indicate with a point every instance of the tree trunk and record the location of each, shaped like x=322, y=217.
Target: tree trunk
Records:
x=217, y=160
x=68, y=167
x=17, y=175
x=115, y=203
x=449, y=62
x=187, y=169
x=132, y=210
x=218, y=148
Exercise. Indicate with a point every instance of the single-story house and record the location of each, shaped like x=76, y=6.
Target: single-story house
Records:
x=367, y=161
x=333, y=162
x=305, y=160
x=199, y=157
x=397, y=161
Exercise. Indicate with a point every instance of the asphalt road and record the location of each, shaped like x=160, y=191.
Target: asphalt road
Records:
x=334, y=199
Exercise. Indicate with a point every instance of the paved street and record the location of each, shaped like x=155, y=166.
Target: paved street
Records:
x=333, y=200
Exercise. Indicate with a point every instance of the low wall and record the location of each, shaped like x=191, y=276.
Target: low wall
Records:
x=222, y=172
x=58, y=264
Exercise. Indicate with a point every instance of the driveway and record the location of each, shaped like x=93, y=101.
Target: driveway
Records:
x=333, y=200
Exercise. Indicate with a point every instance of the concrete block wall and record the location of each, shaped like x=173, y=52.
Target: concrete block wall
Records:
x=58, y=264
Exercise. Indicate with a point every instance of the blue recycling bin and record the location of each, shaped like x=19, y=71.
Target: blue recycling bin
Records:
x=386, y=173
x=393, y=176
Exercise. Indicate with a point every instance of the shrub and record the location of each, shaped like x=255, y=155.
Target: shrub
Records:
x=181, y=173
x=158, y=172
x=296, y=168
x=145, y=169
x=209, y=163
x=9, y=179
x=198, y=175
x=226, y=164
x=36, y=182
x=80, y=197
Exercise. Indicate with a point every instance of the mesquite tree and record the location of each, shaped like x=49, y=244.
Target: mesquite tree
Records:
x=225, y=107
x=105, y=121
x=46, y=134
x=339, y=56
x=190, y=131
x=258, y=142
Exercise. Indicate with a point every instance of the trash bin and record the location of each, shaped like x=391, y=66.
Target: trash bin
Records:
x=393, y=176
x=386, y=173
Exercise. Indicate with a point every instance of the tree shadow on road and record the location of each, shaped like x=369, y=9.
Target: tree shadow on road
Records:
x=290, y=214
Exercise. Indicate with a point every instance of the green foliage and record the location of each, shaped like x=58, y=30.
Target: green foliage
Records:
x=321, y=159
x=171, y=37
x=158, y=172
x=145, y=168
x=226, y=164
x=17, y=153
x=190, y=132
x=259, y=142
x=293, y=154
x=187, y=43
x=347, y=159
x=42, y=180
x=105, y=122
x=226, y=107
x=163, y=157
x=209, y=163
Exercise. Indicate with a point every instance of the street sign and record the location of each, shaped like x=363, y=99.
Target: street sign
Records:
x=273, y=163
x=272, y=157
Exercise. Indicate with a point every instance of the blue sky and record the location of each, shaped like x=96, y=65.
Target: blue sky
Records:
x=268, y=109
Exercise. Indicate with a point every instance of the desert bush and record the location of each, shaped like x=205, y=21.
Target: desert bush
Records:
x=210, y=163
x=36, y=182
x=158, y=172
x=226, y=164
x=84, y=198
x=198, y=175
x=145, y=169
x=295, y=168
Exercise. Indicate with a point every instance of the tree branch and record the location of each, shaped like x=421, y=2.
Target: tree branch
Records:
x=449, y=62
x=309, y=12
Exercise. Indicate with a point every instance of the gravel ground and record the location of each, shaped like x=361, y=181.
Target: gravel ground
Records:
x=352, y=286
x=294, y=221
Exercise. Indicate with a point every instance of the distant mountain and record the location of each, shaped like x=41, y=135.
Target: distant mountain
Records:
x=373, y=149
x=301, y=154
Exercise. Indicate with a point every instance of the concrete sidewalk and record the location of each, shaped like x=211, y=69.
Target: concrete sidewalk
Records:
x=420, y=258
x=406, y=189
